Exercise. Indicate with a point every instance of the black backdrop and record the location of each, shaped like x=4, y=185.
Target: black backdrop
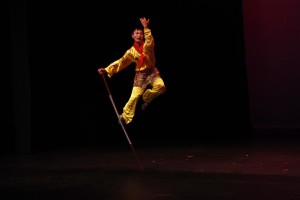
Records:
x=200, y=54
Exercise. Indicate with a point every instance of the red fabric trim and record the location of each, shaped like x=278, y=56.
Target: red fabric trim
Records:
x=140, y=50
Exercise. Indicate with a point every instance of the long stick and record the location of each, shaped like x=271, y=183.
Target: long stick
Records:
x=120, y=122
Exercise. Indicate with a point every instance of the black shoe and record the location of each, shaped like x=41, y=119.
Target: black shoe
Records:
x=144, y=105
x=121, y=119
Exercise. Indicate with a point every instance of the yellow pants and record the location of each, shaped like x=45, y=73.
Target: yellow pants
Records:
x=157, y=88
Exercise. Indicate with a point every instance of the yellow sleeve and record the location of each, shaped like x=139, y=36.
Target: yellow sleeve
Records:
x=149, y=40
x=120, y=64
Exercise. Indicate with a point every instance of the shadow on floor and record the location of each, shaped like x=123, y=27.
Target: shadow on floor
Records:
x=260, y=169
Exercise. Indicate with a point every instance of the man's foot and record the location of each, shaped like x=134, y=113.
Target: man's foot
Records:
x=144, y=105
x=121, y=119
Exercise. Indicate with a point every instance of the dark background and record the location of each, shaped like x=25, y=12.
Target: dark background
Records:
x=271, y=35
x=200, y=54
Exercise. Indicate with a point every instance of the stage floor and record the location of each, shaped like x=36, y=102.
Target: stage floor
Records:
x=240, y=171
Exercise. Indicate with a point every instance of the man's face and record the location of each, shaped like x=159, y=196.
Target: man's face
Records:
x=138, y=35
